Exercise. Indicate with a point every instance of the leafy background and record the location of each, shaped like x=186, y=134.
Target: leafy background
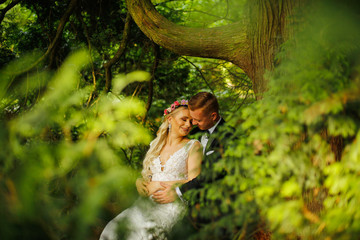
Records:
x=72, y=151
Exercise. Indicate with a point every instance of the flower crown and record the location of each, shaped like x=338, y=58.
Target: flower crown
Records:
x=175, y=105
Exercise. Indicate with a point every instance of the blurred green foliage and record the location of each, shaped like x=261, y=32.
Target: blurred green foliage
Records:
x=293, y=163
x=62, y=160
x=70, y=152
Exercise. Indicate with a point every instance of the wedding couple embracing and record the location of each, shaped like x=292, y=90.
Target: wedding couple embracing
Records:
x=173, y=165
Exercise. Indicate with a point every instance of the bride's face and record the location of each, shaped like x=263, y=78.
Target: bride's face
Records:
x=181, y=122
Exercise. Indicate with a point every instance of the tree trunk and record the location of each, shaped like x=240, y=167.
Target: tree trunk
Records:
x=118, y=54
x=52, y=49
x=266, y=32
x=151, y=82
x=251, y=43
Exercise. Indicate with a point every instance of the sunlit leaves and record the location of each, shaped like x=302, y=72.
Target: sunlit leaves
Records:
x=290, y=188
x=342, y=125
x=64, y=154
x=121, y=81
x=343, y=183
x=205, y=13
x=9, y=73
x=286, y=217
x=299, y=158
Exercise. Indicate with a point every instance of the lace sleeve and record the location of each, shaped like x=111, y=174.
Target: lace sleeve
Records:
x=190, y=145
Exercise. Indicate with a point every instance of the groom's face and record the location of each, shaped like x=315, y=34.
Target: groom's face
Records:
x=202, y=119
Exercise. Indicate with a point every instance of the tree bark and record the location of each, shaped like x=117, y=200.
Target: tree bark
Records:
x=51, y=52
x=218, y=42
x=251, y=43
x=267, y=31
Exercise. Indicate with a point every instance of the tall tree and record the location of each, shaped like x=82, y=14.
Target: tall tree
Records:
x=250, y=43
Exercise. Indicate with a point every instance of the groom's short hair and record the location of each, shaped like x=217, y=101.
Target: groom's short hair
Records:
x=204, y=100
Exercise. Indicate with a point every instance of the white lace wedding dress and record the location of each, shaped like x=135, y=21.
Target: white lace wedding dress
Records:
x=146, y=219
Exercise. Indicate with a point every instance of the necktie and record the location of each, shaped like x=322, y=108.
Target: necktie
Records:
x=204, y=140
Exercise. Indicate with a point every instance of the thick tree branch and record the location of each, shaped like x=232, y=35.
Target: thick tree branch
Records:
x=251, y=43
x=228, y=42
x=120, y=51
x=205, y=13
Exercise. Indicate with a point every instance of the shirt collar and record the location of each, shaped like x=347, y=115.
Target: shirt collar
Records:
x=211, y=130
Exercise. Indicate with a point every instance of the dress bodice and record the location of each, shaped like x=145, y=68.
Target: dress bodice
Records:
x=146, y=219
x=175, y=168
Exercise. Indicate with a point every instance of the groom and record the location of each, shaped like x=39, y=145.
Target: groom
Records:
x=204, y=109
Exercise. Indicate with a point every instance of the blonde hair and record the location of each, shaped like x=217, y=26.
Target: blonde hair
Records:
x=157, y=144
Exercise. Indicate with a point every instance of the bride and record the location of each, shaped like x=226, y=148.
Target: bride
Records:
x=173, y=159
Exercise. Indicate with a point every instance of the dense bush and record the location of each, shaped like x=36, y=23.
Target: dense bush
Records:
x=293, y=166
x=68, y=160
x=62, y=163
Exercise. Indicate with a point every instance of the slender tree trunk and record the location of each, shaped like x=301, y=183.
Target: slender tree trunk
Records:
x=80, y=18
x=151, y=82
x=52, y=50
x=118, y=54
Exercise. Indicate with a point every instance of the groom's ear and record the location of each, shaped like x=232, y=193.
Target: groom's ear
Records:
x=213, y=116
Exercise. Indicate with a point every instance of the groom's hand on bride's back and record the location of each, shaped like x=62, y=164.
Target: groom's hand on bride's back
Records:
x=167, y=195
x=141, y=186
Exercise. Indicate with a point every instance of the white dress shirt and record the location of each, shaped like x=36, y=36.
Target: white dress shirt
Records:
x=205, y=136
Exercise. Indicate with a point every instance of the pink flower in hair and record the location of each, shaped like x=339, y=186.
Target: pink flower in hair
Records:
x=176, y=104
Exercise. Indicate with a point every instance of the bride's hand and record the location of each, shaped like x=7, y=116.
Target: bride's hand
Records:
x=167, y=195
x=141, y=186
x=154, y=187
